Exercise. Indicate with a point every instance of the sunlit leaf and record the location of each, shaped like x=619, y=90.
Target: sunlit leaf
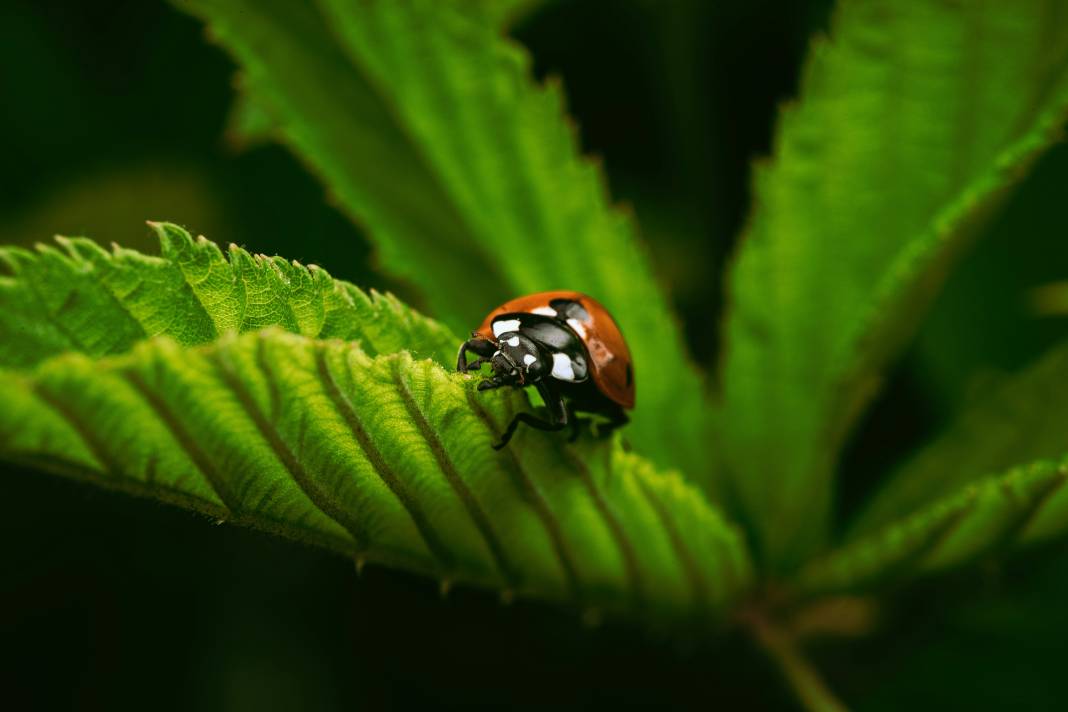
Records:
x=83, y=298
x=382, y=458
x=912, y=120
x=429, y=130
x=249, y=124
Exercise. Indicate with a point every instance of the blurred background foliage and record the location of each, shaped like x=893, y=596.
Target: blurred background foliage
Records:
x=115, y=113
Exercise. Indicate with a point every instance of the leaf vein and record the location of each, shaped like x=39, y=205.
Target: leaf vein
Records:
x=318, y=497
x=689, y=565
x=529, y=493
x=619, y=534
x=382, y=470
x=1034, y=504
x=185, y=441
x=452, y=476
x=95, y=445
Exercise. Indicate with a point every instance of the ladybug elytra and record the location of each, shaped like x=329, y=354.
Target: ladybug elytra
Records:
x=568, y=347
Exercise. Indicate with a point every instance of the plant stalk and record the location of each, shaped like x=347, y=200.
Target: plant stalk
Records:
x=803, y=677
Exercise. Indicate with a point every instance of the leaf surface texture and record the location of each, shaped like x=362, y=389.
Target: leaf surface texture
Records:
x=912, y=120
x=382, y=458
x=1021, y=421
x=80, y=297
x=1025, y=505
x=426, y=123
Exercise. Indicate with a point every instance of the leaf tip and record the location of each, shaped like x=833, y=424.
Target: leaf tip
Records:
x=172, y=239
x=240, y=257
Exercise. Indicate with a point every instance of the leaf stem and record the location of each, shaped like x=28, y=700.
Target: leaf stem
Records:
x=803, y=677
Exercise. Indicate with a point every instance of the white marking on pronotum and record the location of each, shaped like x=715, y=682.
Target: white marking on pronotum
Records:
x=529, y=360
x=504, y=326
x=544, y=311
x=578, y=327
x=562, y=367
x=514, y=341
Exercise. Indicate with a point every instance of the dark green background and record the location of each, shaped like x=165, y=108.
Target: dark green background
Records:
x=116, y=112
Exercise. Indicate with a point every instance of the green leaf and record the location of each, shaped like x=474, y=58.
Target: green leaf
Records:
x=83, y=298
x=382, y=458
x=913, y=119
x=249, y=124
x=1022, y=421
x=1026, y=505
x=502, y=13
x=425, y=123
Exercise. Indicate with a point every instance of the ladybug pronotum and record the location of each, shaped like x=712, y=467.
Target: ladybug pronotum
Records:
x=568, y=347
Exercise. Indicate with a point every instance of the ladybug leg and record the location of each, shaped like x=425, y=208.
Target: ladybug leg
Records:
x=577, y=426
x=477, y=364
x=616, y=419
x=491, y=383
x=558, y=415
x=483, y=347
x=576, y=429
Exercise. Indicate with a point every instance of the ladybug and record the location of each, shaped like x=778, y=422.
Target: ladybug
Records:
x=568, y=347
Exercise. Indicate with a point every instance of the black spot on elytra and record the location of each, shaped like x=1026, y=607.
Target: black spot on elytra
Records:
x=630, y=376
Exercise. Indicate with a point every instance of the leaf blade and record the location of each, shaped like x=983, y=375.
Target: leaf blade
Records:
x=1022, y=506
x=86, y=299
x=449, y=101
x=1019, y=422
x=843, y=252
x=250, y=430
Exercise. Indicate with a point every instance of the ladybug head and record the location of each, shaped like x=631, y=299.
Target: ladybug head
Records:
x=518, y=359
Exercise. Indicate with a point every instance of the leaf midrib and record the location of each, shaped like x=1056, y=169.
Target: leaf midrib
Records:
x=474, y=510
x=891, y=289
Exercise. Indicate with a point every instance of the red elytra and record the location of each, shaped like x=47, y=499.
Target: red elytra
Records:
x=612, y=369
